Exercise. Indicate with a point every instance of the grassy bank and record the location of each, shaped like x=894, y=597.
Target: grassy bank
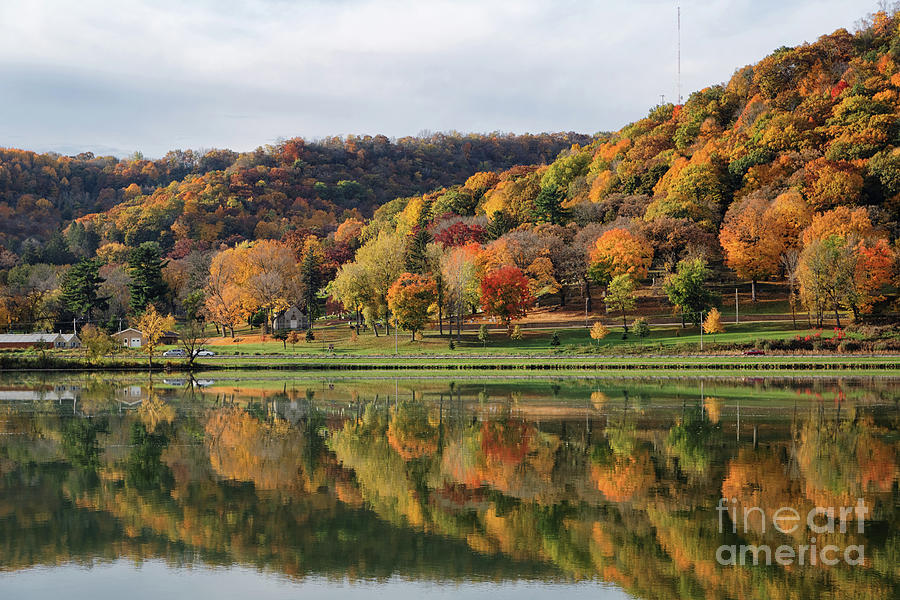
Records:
x=744, y=365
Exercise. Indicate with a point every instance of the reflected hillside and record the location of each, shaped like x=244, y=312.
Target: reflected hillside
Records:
x=607, y=480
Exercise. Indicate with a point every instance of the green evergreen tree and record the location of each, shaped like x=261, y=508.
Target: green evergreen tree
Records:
x=548, y=205
x=416, y=260
x=145, y=265
x=311, y=278
x=80, y=289
x=501, y=222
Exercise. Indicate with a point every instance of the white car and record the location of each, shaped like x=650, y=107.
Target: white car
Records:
x=204, y=352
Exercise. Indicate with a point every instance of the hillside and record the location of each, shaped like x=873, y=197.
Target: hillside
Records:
x=292, y=184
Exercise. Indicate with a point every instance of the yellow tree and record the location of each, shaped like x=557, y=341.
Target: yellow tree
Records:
x=270, y=277
x=599, y=331
x=382, y=261
x=224, y=300
x=153, y=326
x=713, y=322
x=751, y=241
x=791, y=215
x=410, y=299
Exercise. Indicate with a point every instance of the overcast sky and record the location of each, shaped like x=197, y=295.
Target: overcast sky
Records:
x=115, y=77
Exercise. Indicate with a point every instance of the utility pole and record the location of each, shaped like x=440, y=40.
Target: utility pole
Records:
x=701, y=331
x=678, y=57
x=737, y=310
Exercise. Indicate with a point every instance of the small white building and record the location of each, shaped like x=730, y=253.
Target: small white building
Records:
x=293, y=318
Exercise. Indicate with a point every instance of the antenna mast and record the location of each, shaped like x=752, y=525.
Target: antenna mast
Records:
x=678, y=58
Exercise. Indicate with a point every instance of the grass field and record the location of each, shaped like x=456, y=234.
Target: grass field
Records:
x=337, y=340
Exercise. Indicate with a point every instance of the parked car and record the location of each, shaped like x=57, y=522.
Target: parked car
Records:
x=754, y=352
x=204, y=352
x=174, y=353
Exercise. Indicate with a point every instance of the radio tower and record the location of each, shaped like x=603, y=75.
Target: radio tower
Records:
x=678, y=57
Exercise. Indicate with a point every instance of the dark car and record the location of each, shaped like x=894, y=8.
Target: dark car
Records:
x=754, y=352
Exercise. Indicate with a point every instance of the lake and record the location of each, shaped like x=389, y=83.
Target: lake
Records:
x=280, y=485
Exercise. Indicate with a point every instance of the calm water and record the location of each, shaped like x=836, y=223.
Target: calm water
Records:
x=266, y=487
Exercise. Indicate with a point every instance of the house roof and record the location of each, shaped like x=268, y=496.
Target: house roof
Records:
x=139, y=332
x=126, y=330
x=29, y=338
x=68, y=337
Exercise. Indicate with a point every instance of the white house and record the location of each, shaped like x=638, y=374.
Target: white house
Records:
x=69, y=340
x=292, y=318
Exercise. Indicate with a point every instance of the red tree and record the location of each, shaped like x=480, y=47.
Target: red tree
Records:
x=505, y=294
x=460, y=234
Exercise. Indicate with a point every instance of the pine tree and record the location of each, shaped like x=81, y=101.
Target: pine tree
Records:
x=548, y=205
x=501, y=222
x=145, y=265
x=311, y=278
x=416, y=259
x=80, y=288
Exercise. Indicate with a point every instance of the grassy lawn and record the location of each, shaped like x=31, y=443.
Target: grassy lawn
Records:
x=662, y=339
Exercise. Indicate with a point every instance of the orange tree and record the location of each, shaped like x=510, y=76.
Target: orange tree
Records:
x=751, y=241
x=619, y=252
x=505, y=294
x=409, y=299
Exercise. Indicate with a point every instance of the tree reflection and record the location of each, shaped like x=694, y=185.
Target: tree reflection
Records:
x=435, y=488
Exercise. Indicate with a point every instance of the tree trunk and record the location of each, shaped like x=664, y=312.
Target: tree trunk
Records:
x=837, y=315
x=683, y=324
x=624, y=321
x=753, y=289
x=440, y=320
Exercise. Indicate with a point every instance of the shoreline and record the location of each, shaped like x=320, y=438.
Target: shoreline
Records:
x=885, y=365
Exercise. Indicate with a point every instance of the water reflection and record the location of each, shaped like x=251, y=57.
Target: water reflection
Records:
x=550, y=481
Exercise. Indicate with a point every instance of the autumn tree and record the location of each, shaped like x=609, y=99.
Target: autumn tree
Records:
x=619, y=252
x=351, y=287
x=97, y=343
x=505, y=294
x=382, y=261
x=620, y=298
x=713, y=322
x=460, y=276
x=598, y=332
x=410, y=299
x=153, y=326
x=751, y=241
x=269, y=277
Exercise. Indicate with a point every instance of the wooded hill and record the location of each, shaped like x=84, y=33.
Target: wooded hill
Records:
x=222, y=195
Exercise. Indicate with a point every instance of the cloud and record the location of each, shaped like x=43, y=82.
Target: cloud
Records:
x=155, y=75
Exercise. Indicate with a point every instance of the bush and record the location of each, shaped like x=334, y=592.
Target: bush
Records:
x=310, y=336
x=849, y=346
x=554, y=341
